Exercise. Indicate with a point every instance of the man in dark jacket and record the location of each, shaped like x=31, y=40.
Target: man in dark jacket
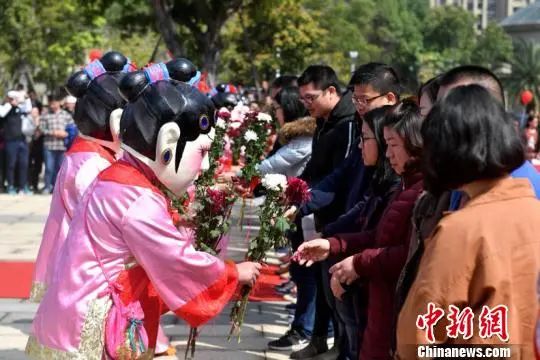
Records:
x=16, y=148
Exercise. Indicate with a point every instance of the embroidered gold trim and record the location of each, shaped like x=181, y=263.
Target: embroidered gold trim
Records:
x=92, y=337
x=37, y=292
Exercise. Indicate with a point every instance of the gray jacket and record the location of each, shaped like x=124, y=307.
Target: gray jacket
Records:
x=291, y=159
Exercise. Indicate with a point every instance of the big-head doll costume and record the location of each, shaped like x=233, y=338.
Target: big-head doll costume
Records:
x=123, y=250
x=96, y=89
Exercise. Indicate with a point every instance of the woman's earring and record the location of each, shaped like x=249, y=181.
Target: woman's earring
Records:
x=166, y=156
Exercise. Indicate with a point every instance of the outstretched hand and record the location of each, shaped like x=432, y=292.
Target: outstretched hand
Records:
x=312, y=251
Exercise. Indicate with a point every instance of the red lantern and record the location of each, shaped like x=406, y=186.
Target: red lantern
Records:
x=526, y=97
x=95, y=54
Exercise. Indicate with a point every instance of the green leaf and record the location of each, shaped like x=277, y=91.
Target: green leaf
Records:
x=215, y=233
x=282, y=224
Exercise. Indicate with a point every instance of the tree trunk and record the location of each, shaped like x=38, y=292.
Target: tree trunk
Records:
x=249, y=49
x=167, y=27
x=210, y=62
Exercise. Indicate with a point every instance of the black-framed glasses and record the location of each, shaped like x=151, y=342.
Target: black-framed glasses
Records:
x=310, y=98
x=363, y=101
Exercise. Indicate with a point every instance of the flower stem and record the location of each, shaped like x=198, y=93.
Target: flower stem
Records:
x=238, y=313
x=192, y=340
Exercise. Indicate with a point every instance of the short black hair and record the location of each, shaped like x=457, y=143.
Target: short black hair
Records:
x=477, y=75
x=289, y=100
x=430, y=88
x=382, y=77
x=284, y=81
x=56, y=95
x=530, y=119
x=384, y=174
x=322, y=77
x=405, y=119
x=467, y=137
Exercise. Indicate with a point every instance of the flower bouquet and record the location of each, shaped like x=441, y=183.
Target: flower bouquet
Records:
x=212, y=207
x=281, y=194
x=256, y=128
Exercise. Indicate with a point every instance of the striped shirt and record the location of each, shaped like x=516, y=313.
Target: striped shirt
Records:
x=53, y=122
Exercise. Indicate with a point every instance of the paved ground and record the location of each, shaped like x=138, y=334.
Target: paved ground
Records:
x=21, y=223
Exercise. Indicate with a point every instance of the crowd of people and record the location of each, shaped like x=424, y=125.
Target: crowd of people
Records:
x=420, y=200
x=33, y=135
x=418, y=205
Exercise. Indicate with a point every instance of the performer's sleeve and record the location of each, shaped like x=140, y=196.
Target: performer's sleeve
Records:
x=194, y=285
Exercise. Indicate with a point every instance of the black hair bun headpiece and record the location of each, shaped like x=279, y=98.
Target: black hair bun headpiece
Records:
x=133, y=84
x=112, y=61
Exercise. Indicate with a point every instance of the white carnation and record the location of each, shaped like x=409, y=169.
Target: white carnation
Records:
x=251, y=135
x=235, y=125
x=264, y=117
x=220, y=123
x=276, y=182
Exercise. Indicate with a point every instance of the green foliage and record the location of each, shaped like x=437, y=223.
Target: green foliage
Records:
x=399, y=33
x=261, y=35
x=244, y=40
x=493, y=47
x=347, y=25
x=47, y=38
x=525, y=70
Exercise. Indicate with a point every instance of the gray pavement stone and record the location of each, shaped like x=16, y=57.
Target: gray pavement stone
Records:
x=12, y=355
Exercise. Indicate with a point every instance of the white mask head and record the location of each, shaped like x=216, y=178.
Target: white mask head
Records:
x=168, y=127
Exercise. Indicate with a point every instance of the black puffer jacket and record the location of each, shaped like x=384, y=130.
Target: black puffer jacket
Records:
x=333, y=141
x=12, y=124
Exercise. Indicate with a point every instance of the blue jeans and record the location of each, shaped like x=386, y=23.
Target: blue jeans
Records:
x=53, y=161
x=17, y=157
x=304, y=315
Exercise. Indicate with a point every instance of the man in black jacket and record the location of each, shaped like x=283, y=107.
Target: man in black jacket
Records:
x=16, y=148
x=336, y=133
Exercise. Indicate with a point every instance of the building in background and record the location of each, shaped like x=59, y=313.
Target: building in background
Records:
x=524, y=24
x=486, y=10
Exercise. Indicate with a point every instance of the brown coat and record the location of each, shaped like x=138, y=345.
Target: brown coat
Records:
x=487, y=253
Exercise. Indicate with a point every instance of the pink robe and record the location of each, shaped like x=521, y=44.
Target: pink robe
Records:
x=125, y=220
x=82, y=164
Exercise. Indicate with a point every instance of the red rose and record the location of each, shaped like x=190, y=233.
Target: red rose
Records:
x=297, y=192
x=218, y=200
x=225, y=115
